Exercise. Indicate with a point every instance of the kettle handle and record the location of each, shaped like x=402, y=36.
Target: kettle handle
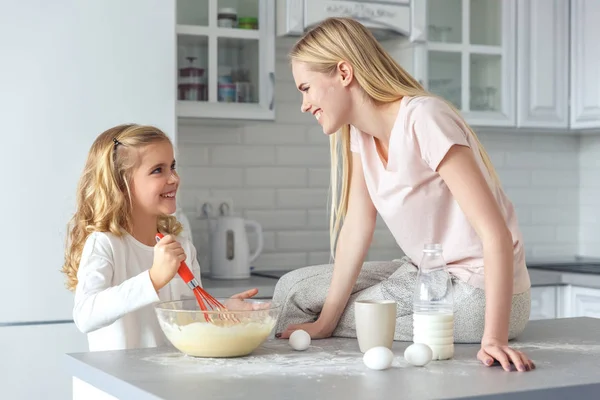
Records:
x=259, y=245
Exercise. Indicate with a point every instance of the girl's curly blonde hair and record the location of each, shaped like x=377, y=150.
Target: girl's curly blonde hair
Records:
x=103, y=196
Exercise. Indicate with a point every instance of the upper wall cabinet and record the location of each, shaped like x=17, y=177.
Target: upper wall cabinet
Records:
x=585, y=65
x=464, y=51
x=543, y=64
x=558, y=61
x=226, y=59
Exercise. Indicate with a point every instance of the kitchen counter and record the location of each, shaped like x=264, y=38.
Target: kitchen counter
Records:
x=565, y=351
x=543, y=277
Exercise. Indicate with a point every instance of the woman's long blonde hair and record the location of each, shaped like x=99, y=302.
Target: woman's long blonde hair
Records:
x=381, y=78
x=103, y=195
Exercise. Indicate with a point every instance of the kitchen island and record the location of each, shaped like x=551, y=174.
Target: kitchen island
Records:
x=565, y=351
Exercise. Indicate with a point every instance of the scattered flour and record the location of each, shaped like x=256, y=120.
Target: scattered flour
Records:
x=276, y=357
x=555, y=346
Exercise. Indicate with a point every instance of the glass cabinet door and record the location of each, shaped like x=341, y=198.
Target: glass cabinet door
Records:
x=470, y=57
x=225, y=58
x=444, y=21
x=445, y=75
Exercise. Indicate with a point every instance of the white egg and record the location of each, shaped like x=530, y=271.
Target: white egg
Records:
x=378, y=358
x=300, y=340
x=418, y=354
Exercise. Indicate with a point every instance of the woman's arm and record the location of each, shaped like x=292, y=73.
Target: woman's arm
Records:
x=354, y=240
x=463, y=177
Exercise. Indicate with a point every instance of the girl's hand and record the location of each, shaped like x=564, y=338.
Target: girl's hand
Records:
x=237, y=303
x=495, y=350
x=316, y=330
x=168, y=255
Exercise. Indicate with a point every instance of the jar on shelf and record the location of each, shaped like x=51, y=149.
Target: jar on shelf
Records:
x=243, y=87
x=225, y=86
x=191, y=82
x=227, y=17
x=248, y=23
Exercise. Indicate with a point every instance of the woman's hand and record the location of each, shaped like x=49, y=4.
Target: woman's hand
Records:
x=495, y=350
x=316, y=330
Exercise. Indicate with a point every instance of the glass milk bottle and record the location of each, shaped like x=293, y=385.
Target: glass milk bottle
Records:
x=433, y=301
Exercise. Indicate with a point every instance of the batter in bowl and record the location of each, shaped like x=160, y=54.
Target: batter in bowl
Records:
x=222, y=338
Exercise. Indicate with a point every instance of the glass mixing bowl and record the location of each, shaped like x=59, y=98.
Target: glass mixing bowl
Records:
x=233, y=333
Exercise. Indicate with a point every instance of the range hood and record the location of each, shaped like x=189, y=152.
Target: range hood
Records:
x=385, y=18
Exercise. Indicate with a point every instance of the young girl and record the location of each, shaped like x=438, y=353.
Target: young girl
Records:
x=410, y=157
x=113, y=262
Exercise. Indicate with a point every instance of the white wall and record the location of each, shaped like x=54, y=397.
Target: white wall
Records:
x=277, y=173
x=589, y=201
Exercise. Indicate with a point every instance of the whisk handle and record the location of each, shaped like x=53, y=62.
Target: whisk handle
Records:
x=186, y=274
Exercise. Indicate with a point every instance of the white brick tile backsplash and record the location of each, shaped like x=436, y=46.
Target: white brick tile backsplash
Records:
x=242, y=155
x=211, y=177
x=274, y=134
x=208, y=135
x=192, y=155
x=280, y=261
x=248, y=198
x=554, y=178
x=318, y=219
x=278, y=219
x=537, y=160
x=315, y=135
x=568, y=234
x=303, y=155
x=318, y=177
x=319, y=258
x=554, y=215
x=289, y=113
x=303, y=240
x=539, y=234
x=589, y=201
x=274, y=177
x=277, y=172
x=302, y=198
x=514, y=177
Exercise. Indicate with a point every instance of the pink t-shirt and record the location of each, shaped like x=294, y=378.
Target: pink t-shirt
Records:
x=414, y=201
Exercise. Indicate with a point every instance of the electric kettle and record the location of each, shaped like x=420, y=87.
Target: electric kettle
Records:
x=230, y=250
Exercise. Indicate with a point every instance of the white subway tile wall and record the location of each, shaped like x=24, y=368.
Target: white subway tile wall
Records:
x=589, y=200
x=277, y=173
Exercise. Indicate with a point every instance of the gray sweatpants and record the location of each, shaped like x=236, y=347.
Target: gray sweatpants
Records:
x=302, y=293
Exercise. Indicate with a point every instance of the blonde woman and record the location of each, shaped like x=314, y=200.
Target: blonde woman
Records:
x=126, y=194
x=401, y=152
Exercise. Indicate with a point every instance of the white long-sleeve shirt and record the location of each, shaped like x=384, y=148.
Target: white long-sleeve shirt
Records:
x=114, y=296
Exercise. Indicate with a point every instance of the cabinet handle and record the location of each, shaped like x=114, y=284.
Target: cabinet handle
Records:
x=272, y=78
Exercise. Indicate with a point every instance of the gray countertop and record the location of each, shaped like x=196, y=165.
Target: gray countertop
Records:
x=541, y=277
x=565, y=351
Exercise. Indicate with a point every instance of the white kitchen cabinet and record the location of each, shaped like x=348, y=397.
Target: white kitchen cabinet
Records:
x=582, y=302
x=585, y=64
x=544, y=302
x=33, y=360
x=543, y=64
x=470, y=57
x=226, y=72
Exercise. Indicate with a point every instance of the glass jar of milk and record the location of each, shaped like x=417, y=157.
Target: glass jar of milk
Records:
x=433, y=304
